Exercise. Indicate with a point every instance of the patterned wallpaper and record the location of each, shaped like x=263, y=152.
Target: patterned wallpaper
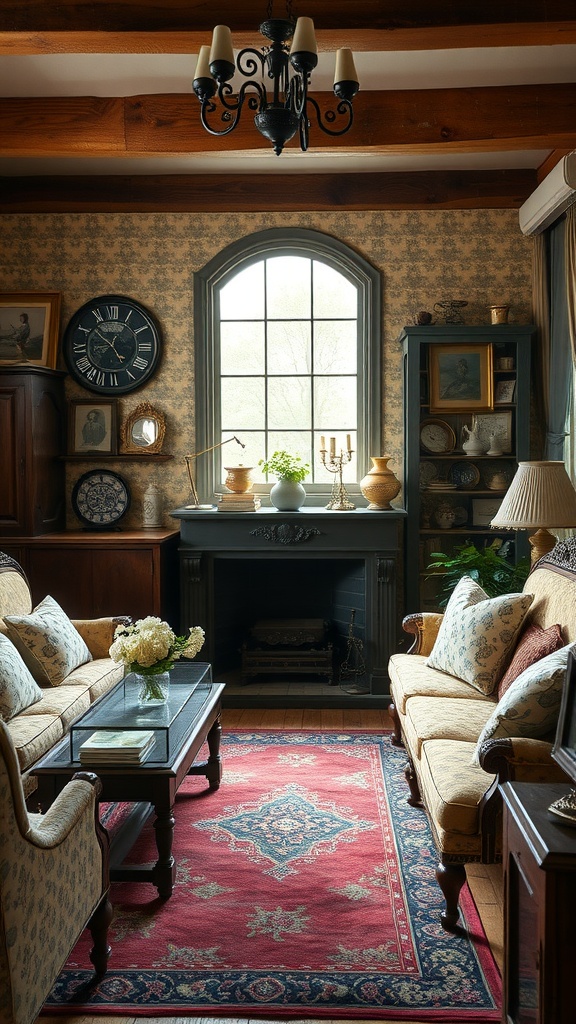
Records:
x=424, y=257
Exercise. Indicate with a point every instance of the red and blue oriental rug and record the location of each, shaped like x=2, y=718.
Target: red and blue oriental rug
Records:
x=305, y=888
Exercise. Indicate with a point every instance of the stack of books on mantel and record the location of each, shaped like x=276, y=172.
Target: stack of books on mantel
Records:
x=234, y=501
x=109, y=747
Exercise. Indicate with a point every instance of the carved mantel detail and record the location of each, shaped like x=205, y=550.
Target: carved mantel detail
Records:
x=286, y=533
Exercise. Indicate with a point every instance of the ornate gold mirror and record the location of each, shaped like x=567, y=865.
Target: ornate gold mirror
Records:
x=142, y=432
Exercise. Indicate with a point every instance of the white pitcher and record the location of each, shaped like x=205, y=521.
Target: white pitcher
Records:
x=471, y=443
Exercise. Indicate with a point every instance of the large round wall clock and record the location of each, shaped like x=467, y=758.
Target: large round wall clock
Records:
x=112, y=345
x=100, y=498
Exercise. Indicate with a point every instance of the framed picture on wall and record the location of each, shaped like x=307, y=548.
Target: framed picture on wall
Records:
x=29, y=325
x=498, y=424
x=484, y=510
x=92, y=427
x=461, y=378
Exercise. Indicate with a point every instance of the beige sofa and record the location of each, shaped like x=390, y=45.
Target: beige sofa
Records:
x=36, y=728
x=438, y=718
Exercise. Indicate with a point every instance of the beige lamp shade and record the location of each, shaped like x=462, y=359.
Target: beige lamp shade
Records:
x=540, y=497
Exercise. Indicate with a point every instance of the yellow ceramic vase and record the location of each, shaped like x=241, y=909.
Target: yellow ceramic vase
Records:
x=380, y=485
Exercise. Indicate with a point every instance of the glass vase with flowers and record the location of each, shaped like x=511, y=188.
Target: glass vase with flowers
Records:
x=149, y=648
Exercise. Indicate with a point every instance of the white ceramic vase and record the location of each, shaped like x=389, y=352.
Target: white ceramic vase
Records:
x=287, y=495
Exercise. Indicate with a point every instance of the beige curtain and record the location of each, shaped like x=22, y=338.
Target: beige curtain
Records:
x=570, y=251
x=541, y=318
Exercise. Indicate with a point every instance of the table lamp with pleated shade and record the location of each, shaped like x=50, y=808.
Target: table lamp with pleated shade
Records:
x=541, y=497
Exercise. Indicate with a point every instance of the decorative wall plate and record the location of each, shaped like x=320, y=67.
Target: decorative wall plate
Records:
x=428, y=472
x=101, y=498
x=465, y=475
x=437, y=436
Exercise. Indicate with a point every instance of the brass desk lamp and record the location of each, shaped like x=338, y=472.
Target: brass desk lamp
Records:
x=190, y=458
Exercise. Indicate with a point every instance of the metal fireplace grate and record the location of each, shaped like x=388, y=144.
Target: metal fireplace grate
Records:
x=288, y=647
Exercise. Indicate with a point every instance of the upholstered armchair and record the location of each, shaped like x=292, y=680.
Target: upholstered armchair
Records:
x=53, y=883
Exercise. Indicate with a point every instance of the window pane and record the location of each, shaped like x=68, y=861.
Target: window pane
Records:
x=241, y=347
x=242, y=298
x=289, y=405
x=242, y=400
x=334, y=295
x=297, y=443
x=288, y=287
x=335, y=346
x=335, y=404
x=289, y=348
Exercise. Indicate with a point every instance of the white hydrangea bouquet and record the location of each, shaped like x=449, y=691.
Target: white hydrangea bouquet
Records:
x=150, y=646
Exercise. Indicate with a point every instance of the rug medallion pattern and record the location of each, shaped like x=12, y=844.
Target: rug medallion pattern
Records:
x=305, y=887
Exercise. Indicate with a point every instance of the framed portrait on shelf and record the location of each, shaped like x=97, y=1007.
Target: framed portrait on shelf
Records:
x=504, y=392
x=29, y=326
x=461, y=378
x=498, y=424
x=484, y=510
x=92, y=427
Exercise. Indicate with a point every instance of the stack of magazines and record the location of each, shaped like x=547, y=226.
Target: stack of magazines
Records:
x=108, y=747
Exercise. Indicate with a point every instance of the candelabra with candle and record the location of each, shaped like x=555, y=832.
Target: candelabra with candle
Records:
x=339, y=500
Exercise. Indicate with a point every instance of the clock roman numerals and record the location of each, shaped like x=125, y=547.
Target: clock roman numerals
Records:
x=112, y=345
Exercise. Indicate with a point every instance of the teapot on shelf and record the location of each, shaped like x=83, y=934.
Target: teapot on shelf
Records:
x=471, y=441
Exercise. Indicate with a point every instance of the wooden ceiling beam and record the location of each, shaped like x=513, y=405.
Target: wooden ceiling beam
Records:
x=486, y=119
x=429, y=190
x=394, y=39
x=130, y=15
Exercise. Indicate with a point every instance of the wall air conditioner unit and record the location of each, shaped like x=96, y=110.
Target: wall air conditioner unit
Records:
x=551, y=199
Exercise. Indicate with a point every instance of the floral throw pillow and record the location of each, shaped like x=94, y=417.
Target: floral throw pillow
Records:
x=49, y=643
x=531, y=705
x=478, y=634
x=18, y=690
x=534, y=644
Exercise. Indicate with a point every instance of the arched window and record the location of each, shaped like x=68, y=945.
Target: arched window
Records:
x=287, y=350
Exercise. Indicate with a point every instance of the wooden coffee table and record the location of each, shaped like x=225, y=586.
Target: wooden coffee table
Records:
x=190, y=718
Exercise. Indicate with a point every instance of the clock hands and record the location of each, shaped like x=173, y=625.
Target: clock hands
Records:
x=112, y=345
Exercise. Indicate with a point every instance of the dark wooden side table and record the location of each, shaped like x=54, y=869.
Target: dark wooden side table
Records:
x=539, y=860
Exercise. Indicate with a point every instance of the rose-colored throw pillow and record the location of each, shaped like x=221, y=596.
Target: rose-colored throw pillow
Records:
x=534, y=644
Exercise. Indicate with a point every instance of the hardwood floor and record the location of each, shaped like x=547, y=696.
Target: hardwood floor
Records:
x=485, y=880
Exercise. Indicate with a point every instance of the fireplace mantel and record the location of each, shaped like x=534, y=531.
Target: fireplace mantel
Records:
x=364, y=543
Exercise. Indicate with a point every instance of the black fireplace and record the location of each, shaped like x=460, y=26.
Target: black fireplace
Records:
x=237, y=569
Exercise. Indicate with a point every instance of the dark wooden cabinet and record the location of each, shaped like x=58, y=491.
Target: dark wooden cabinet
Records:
x=539, y=859
x=449, y=495
x=32, y=439
x=92, y=574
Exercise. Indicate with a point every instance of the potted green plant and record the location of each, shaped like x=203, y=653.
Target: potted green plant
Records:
x=288, y=494
x=487, y=565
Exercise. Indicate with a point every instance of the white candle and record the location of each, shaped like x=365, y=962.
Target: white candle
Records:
x=221, y=48
x=322, y=443
x=332, y=447
x=345, y=68
x=304, y=38
x=348, y=443
x=203, y=65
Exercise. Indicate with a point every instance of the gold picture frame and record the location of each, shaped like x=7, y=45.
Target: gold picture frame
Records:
x=143, y=431
x=29, y=328
x=461, y=378
x=92, y=427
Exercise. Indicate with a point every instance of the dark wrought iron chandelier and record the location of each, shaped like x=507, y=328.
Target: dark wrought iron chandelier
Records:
x=285, y=107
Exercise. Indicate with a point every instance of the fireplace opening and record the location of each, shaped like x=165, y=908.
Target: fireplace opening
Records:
x=247, y=592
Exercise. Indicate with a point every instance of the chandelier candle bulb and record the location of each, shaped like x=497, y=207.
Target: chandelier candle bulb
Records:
x=304, y=39
x=203, y=65
x=332, y=447
x=348, y=443
x=322, y=443
x=221, y=49
x=345, y=68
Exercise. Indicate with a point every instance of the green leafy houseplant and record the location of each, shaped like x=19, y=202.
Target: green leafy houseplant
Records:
x=285, y=466
x=487, y=566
